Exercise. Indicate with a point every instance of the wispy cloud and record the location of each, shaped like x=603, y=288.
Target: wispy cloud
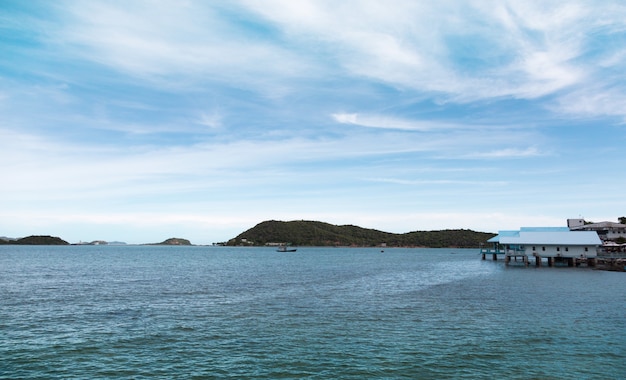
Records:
x=211, y=120
x=454, y=182
x=526, y=50
x=385, y=122
x=508, y=153
x=188, y=45
x=353, y=111
x=603, y=99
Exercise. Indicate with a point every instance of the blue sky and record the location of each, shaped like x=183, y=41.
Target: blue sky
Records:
x=144, y=120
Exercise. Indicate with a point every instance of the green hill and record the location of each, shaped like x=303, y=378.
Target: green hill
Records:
x=174, y=241
x=312, y=233
x=37, y=240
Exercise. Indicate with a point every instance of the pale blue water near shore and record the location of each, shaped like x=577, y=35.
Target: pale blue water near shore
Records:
x=217, y=312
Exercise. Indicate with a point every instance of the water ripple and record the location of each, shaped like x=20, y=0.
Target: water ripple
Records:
x=141, y=312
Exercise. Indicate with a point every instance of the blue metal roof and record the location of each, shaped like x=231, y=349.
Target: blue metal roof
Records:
x=553, y=238
x=500, y=234
x=546, y=236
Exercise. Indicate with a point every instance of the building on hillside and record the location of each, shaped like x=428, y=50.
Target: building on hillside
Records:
x=607, y=231
x=572, y=223
x=552, y=243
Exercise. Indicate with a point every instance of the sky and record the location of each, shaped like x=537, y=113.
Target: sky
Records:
x=138, y=121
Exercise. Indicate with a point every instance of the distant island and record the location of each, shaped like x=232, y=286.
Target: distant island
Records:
x=174, y=241
x=36, y=240
x=313, y=233
x=53, y=240
x=95, y=242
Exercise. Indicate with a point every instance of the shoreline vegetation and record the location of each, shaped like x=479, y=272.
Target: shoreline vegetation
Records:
x=320, y=234
x=307, y=233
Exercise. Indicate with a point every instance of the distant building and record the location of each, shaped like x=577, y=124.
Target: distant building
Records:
x=607, y=231
x=572, y=223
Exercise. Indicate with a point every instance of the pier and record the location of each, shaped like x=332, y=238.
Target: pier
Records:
x=550, y=261
x=549, y=246
x=604, y=261
x=493, y=252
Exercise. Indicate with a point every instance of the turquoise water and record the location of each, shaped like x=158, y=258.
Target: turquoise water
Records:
x=217, y=312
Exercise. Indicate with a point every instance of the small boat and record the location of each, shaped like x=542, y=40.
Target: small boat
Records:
x=283, y=248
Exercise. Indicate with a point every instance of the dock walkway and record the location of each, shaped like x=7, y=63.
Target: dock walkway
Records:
x=613, y=261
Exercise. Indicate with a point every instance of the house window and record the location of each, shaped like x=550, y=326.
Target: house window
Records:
x=586, y=249
x=566, y=249
x=558, y=249
x=534, y=249
x=543, y=248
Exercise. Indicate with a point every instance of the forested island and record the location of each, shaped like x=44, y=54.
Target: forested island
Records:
x=53, y=240
x=313, y=233
x=36, y=240
x=174, y=241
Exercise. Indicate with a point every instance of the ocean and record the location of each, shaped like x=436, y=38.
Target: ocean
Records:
x=134, y=312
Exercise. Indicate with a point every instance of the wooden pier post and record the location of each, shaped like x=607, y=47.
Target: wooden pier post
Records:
x=526, y=260
x=570, y=262
x=550, y=261
x=591, y=262
x=495, y=257
x=484, y=255
x=538, y=261
x=507, y=259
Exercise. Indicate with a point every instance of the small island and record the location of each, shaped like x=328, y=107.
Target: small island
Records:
x=174, y=241
x=36, y=240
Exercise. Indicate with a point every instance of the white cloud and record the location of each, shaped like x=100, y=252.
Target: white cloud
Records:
x=531, y=49
x=508, y=153
x=186, y=45
x=48, y=169
x=253, y=110
x=525, y=50
x=345, y=118
x=445, y=182
x=386, y=122
x=211, y=120
x=592, y=101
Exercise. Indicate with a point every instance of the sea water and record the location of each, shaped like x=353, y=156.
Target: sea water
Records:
x=336, y=313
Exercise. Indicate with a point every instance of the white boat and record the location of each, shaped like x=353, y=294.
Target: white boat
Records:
x=283, y=248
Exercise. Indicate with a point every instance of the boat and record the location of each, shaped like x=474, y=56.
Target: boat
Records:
x=283, y=248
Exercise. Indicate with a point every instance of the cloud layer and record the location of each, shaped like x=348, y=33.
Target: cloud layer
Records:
x=148, y=118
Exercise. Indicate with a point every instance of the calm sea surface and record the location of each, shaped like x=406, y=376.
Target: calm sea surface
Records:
x=217, y=312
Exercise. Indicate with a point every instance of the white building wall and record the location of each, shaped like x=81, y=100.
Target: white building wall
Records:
x=561, y=251
x=613, y=234
x=575, y=222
